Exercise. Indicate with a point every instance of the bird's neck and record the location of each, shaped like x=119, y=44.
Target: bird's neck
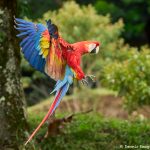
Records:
x=79, y=48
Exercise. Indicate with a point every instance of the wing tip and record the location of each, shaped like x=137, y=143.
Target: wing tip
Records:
x=52, y=28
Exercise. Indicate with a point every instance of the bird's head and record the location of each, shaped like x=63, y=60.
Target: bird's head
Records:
x=85, y=47
x=92, y=47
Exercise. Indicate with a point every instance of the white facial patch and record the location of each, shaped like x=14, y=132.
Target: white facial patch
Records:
x=91, y=47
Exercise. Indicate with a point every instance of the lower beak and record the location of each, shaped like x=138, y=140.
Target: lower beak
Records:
x=95, y=50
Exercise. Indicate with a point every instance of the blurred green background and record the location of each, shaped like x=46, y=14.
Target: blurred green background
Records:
x=122, y=68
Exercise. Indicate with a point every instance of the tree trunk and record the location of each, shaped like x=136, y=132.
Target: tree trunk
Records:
x=12, y=103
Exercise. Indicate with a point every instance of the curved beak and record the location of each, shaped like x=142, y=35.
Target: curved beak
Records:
x=95, y=50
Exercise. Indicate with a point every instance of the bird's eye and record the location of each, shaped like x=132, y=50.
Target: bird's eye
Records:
x=91, y=47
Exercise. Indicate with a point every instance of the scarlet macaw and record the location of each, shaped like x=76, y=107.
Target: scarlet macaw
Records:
x=50, y=54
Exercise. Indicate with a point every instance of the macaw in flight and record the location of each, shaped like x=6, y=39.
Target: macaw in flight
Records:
x=49, y=53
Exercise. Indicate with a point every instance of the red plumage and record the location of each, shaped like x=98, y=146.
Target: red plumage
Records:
x=72, y=54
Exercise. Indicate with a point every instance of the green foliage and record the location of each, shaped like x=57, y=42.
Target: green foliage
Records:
x=104, y=7
x=23, y=8
x=131, y=78
x=93, y=132
x=85, y=23
x=37, y=9
x=135, y=14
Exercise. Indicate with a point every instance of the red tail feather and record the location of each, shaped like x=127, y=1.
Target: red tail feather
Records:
x=49, y=113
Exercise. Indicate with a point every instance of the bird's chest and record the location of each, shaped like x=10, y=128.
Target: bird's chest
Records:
x=72, y=58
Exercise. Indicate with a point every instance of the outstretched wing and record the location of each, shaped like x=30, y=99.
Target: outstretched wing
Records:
x=41, y=47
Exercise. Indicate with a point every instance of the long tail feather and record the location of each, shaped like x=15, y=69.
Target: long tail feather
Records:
x=49, y=113
x=59, y=95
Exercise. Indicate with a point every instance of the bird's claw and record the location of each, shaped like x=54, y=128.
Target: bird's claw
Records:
x=84, y=82
x=92, y=77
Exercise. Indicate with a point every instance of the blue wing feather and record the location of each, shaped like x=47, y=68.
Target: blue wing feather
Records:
x=38, y=60
x=31, y=34
x=29, y=51
x=21, y=35
x=24, y=41
x=32, y=58
x=41, y=65
x=26, y=46
x=21, y=21
x=35, y=60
